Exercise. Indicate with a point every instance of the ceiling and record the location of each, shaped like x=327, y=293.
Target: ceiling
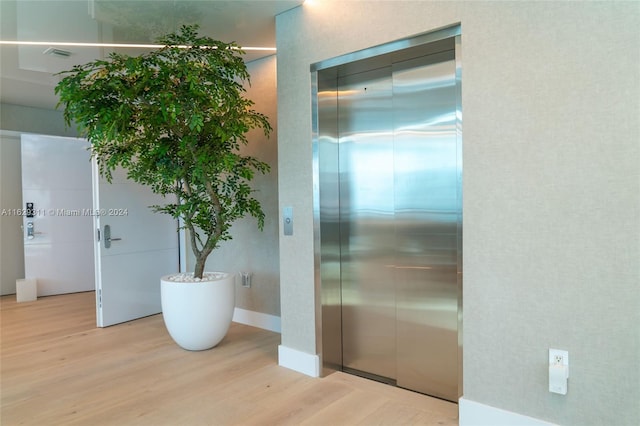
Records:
x=27, y=75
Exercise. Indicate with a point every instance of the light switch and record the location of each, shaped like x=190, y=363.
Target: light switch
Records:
x=287, y=220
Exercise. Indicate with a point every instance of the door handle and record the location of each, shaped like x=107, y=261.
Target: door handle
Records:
x=30, y=231
x=108, y=238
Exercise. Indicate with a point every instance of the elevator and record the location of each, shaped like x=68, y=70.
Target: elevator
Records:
x=388, y=213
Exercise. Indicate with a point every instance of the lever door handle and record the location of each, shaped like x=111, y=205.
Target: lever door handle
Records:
x=107, y=237
x=30, y=232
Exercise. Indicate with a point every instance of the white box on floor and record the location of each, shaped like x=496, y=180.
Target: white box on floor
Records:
x=26, y=290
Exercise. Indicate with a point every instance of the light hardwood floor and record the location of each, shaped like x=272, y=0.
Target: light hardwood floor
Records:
x=57, y=368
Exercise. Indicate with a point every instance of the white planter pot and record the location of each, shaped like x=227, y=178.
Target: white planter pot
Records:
x=198, y=314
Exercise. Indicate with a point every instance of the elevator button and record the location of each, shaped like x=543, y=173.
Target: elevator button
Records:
x=287, y=216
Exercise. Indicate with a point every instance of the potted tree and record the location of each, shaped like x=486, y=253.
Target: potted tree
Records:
x=175, y=120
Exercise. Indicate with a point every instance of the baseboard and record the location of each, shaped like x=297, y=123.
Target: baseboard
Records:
x=476, y=414
x=257, y=319
x=299, y=361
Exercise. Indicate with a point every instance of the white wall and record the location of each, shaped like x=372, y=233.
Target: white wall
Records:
x=251, y=250
x=551, y=95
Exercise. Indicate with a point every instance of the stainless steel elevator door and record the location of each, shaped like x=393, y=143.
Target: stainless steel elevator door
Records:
x=426, y=225
x=365, y=131
x=398, y=198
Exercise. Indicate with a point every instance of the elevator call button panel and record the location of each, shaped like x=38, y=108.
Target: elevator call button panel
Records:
x=287, y=220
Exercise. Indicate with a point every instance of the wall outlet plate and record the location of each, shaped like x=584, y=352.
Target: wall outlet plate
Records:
x=558, y=371
x=558, y=357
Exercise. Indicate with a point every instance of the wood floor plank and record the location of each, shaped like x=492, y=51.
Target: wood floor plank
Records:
x=439, y=407
x=352, y=409
x=57, y=368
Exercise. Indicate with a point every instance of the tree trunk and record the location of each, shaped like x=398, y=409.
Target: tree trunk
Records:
x=201, y=255
x=199, y=269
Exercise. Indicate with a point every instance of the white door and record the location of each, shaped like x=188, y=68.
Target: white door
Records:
x=143, y=246
x=58, y=243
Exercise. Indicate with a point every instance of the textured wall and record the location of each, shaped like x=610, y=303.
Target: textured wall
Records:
x=551, y=95
x=250, y=249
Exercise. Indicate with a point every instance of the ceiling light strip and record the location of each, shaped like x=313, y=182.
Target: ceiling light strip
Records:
x=115, y=45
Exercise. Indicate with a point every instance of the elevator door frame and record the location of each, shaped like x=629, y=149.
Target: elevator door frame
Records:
x=324, y=77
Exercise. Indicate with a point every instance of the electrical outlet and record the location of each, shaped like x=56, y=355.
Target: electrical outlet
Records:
x=558, y=357
x=246, y=279
x=558, y=371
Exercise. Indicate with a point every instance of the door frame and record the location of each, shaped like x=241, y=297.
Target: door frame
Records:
x=327, y=272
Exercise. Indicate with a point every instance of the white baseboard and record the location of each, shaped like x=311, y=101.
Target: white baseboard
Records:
x=257, y=319
x=299, y=361
x=476, y=414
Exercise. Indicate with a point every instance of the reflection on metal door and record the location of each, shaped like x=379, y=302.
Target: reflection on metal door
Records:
x=396, y=234
x=139, y=247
